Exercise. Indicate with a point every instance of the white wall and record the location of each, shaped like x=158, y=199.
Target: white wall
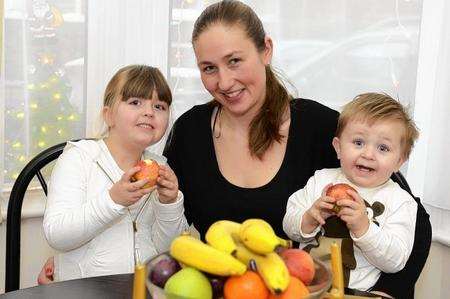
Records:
x=434, y=281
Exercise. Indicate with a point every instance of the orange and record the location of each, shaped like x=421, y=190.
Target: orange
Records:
x=248, y=285
x=295, y=290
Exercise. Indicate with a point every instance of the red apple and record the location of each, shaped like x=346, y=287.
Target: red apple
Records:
x=339, y=192
x=299, y=263
x=149, y=169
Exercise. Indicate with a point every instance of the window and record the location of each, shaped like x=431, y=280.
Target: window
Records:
x=329, y=50
x=43, y=77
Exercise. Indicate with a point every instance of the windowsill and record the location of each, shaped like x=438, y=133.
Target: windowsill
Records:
x=33, y=204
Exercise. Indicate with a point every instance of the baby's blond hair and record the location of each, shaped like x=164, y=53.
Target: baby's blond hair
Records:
x=373, y=107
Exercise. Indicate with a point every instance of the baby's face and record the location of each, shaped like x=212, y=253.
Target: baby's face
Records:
x=370, y=153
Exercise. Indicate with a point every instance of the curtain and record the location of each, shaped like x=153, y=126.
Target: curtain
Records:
x=429, y=164
x=122, y=33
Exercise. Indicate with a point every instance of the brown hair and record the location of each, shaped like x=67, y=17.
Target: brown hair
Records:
x=265, y=127
x=373, y=107
x=136, y=81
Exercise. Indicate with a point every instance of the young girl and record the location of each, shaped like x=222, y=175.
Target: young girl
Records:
x=100, y=221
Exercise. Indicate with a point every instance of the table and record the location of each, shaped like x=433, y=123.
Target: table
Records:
x=111, y=287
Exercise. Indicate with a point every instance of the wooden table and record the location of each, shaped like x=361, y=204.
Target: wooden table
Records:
x=111, y=287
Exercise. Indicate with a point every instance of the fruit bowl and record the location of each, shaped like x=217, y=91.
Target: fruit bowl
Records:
x=319, y=285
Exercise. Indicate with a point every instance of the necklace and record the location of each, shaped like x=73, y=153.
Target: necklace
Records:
x=217, y=135
x=133, y=220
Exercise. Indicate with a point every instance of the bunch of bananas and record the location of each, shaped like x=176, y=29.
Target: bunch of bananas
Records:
x=232, y=247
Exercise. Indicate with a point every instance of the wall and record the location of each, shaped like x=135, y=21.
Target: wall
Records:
x=434, y=283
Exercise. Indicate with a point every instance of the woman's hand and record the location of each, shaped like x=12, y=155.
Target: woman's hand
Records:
x=47, y=271
x=318, y=212
x=354, y=214
x=167, y=185
x=125, y=193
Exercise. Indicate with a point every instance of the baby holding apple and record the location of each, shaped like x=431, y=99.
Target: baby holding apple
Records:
x=358, y=203
x=111, y=202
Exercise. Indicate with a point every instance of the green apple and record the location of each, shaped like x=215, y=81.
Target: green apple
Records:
x=188, y=283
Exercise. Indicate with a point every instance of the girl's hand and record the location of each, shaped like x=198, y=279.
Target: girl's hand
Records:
x=167, y=185
x=125, y=193
x=46, y=274
x=354, y=214
x=318, y=212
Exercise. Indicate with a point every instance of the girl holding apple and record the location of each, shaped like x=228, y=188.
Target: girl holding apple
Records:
x=99, y=218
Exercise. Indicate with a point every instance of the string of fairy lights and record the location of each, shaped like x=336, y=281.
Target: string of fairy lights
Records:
x=44, y=116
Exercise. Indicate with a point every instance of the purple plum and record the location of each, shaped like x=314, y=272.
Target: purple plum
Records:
x=217, y=284
x=163, y=270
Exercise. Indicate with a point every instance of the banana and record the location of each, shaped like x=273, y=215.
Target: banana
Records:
x=259, y=236
x=193, y=252
x=270, y=266
x=220, y=235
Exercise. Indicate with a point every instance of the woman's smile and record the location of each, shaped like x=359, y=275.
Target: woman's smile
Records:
x=234, y=96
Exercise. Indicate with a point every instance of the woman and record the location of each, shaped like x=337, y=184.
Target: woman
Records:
x=244, y=153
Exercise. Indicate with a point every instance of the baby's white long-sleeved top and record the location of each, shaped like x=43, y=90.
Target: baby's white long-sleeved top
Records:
x=384, y=248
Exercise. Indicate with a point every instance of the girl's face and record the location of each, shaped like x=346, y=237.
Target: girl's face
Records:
x=370, y=153
x=232, y=69
x=142, y=122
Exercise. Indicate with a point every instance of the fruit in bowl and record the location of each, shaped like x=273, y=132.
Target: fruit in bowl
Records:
x=299, y=263
x=319, y=284
x=149, y=169
x=163, y=270
x=226, y=266
x=189, y=282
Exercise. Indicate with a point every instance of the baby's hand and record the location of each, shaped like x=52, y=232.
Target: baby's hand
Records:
x=167, y=185
x=125, y=193
x=318, y=212
x=354, y=214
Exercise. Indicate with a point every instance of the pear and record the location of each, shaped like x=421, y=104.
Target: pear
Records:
x=188, y=283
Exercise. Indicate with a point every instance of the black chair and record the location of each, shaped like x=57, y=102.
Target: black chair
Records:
x=13, y=220
x=400, y=179
x=421, y=248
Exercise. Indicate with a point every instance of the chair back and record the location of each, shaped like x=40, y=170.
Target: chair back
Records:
x=400, y=179
x=14, y=215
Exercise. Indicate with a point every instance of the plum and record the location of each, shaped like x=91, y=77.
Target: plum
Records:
x=163, y=270
x=217, y=284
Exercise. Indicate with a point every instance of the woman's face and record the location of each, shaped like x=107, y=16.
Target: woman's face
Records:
x=232, y=69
